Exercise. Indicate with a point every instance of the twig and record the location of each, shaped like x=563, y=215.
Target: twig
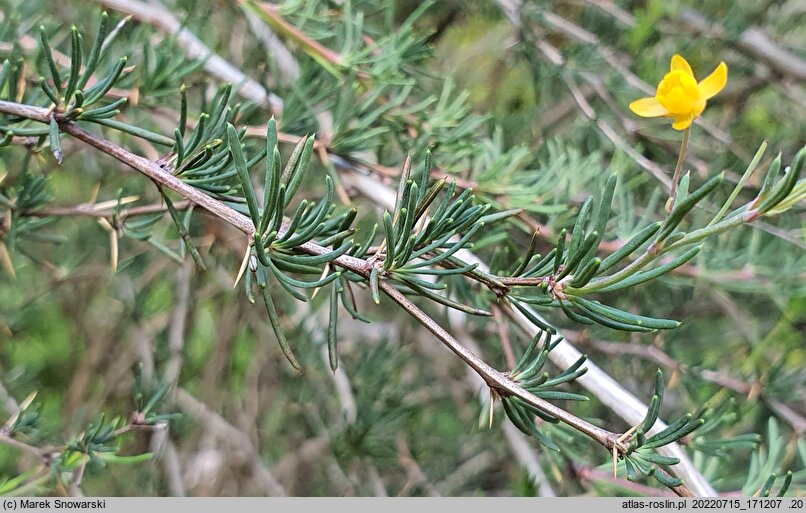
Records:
x=518, y=442
x=215, y=423
x=616, y=61
x=494, y=378
x=415, y=474
x=74, y=489
x=601, y=385
x=468, y=470
x=528, y=459
x=753, y=42
x=176, y=330
x=621, y=401
x=509, y=355
x=309, y=451
x=9, y=403
x=13, y=442
x=596, y=381
x=511, y=8
x=376, y=482
x=655, y=354
x=551, y=54
x=92, y=210
x=279, y=53
x=173, y=467
x=176, y=341
x=155, y=14
x=594, y=475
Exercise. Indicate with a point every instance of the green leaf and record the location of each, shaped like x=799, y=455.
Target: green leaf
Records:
x=769, y=179
x=274, y=319
x=48, y=55
x=558, y=258
x=247, y=280
x=527, y=355
x=586, y=273
x=125, y=460
x=673, y=436
x=575, y=258
x=631, y=474
x=429, y=197
x=522, y=421
x=417, y=285
x=659, y=459
x=542, y=266
x=739, y=186
x=679, y=211
x=135, y=131
x=95, y=53
x=645, y=276
x=666, y=480
x=53, y=95
x=326, y=257
x=390, y=241
x=630, y=246
x=605, y=204
x=578, y=231
x=607, y=320
x=373, y=285
x=302, y=284
x=183, y=232
x=295, y=179
x=787, y=482
x=75, y=63
x=440, y=257
x=99, y=90
x=625, y=317
x=782, y=189
x=332, y=336
x=533, y=318
x=654, y=405
x=243, y=174
x=106, y=111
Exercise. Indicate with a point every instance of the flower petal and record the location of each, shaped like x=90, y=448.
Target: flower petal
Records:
x=714, y=82
x=648, y=108
x=682, y=122
x=679, y=63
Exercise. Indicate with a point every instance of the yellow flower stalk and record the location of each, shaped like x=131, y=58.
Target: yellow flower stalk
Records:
x=680, y=96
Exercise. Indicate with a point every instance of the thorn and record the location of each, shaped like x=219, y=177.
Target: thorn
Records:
x=22, y=407
x=627, y=434
x=244, y=262
x=492, y=405
x=94, y=193
x=322, y=277
x=5, y=259
x=105, y=205
x=113, y=243
x=615, y=462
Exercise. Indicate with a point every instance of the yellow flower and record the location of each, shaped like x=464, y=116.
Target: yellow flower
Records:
x=680, y=96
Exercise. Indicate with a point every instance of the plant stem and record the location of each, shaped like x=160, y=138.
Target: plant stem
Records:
x=677, y=169
x=636, y=265
x=492, y=377
x=7, y=440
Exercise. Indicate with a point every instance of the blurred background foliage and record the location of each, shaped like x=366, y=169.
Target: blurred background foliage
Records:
x=400, y=417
